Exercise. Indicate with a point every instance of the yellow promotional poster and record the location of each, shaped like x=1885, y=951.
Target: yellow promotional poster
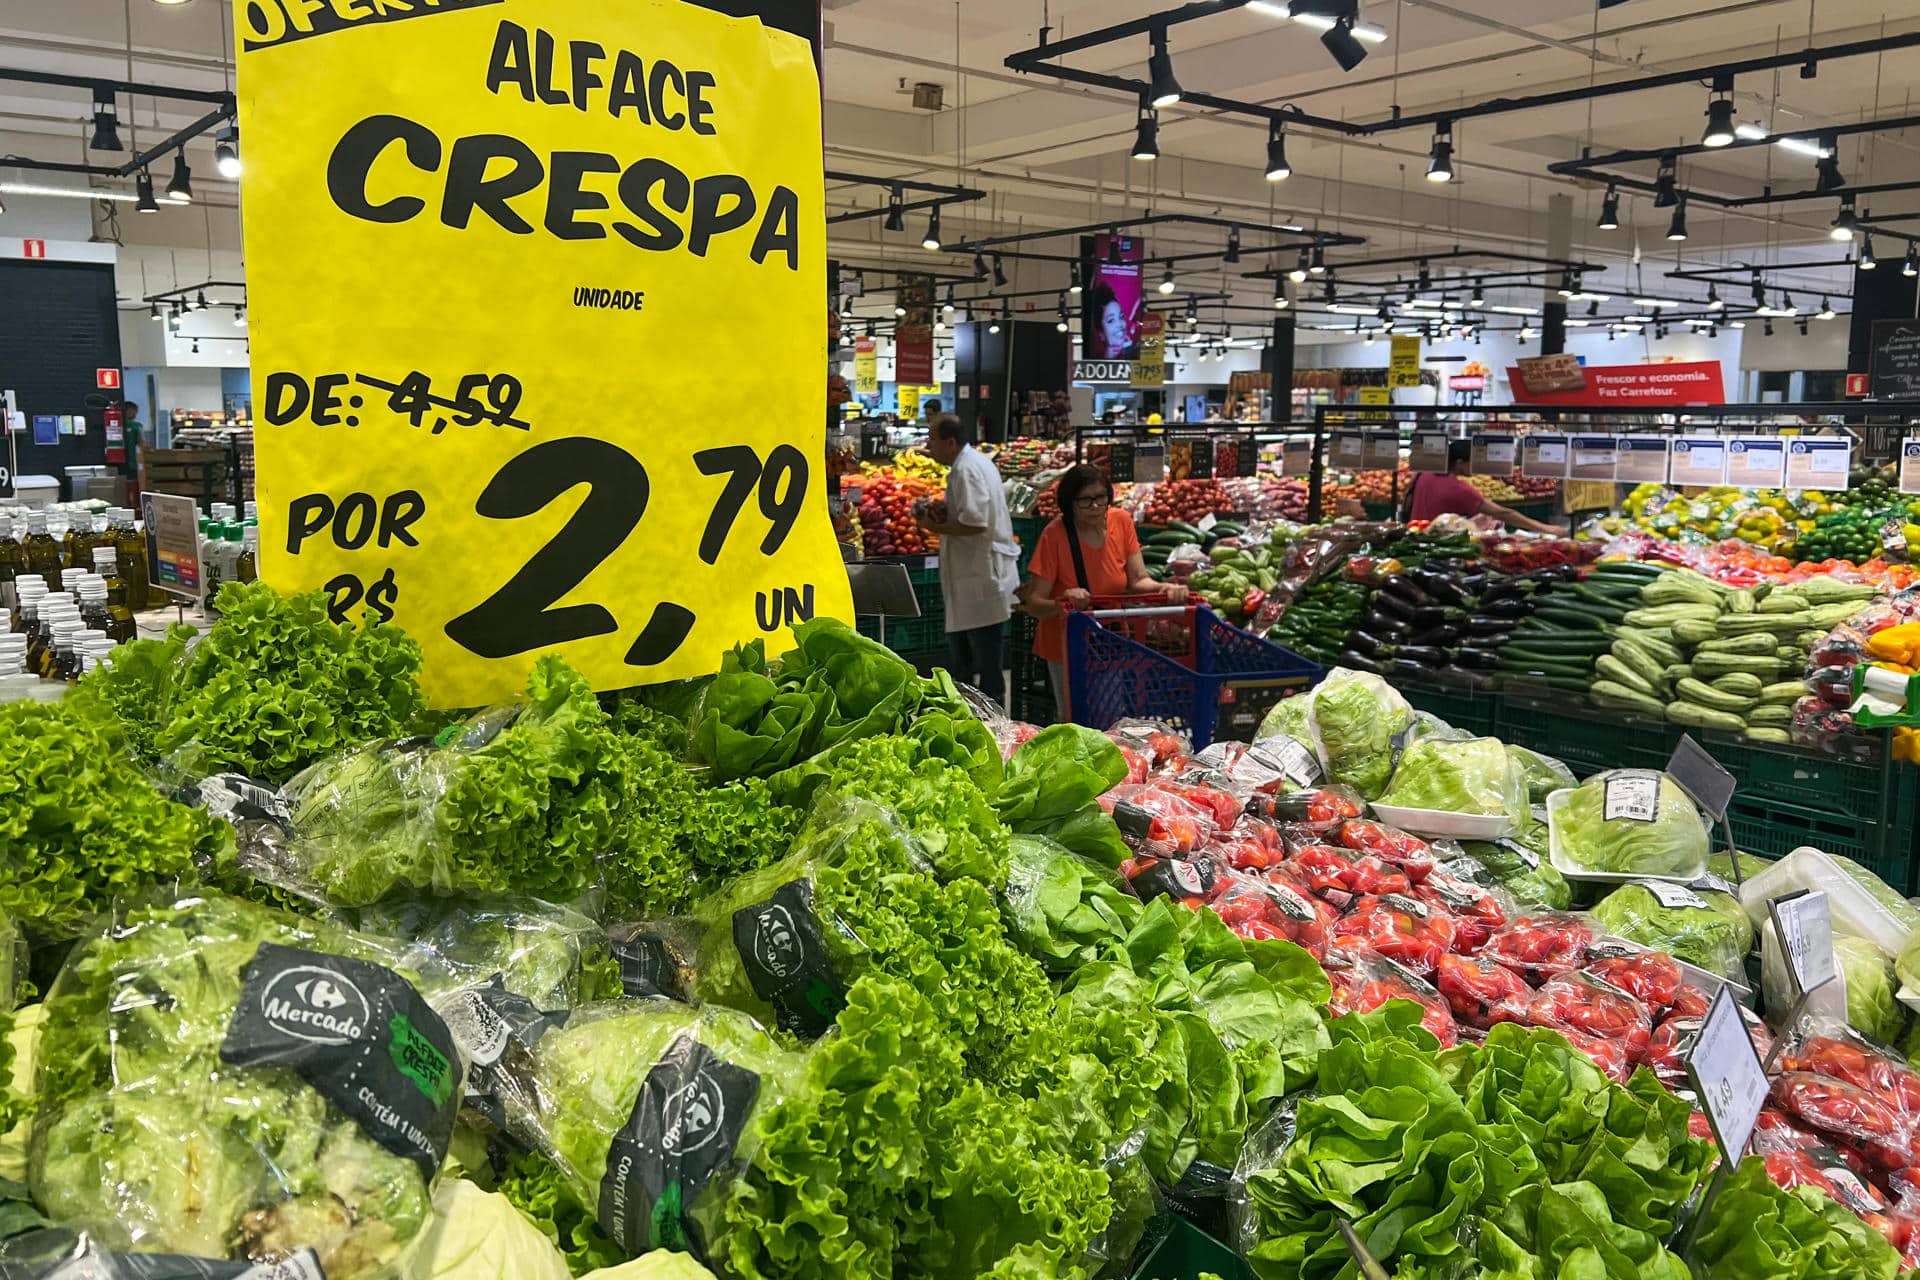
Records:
x=1150, y=370
x=484, y=240
x=1375, y=395
x=866, y=367
x=1403, y=366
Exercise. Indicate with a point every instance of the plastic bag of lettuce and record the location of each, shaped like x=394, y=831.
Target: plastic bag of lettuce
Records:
x=1472, y=776
x=1353, y=718
x=220, y=1080
x=1627, y=823
x=1704, y=927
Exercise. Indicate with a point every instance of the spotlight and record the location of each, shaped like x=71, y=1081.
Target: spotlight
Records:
x=196, y=346
x=999, y=273
x=1677, y=228
x=947, y=307
x=1767, y=328
x=1279, y=296
x=895, y=220
x=240, y=316
x=180, y=185
x=1827, y=168
x=1713, y=299
x=1277, y=166
x=993, y=325
x=979, y=267
x=1328, y=293
x=1593, y=308
x=1479, y=298
x=154, y=311
x=1609, y=210
x=1299, y=272
x=1073, y=279
x=1867, y=261
x=226, y=152
x=1166, y=281
x=1318, y=266
x=143, y=194
x=899, y=308
x=1166, y=89
x=1526, y=334
x=1666, y=183
x=1233, y=246
x=1440, y=159
x=106, y=124
x=1719, y=114
x=1911, y=267
x=1845, y=223
x=1060, y=325
x=931, y=241
x=1566, y=283
x=1826, y=309
x=1786, y=303
x=1146, y=135
x=1803, y=327
x=846, y=307
x=1193, y=313
x=1339, y=41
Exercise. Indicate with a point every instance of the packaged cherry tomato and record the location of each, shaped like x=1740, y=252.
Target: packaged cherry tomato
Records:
x=1398, y=928
x=1146, y=814
x=1576, y=1002
x=1651, y=977
x=1846, y=1113
x=1138, y=766
x=1476, y=911
x=1158, y=743
x=1841, y=1053
x=1408, y=852
x=1222, y=806
x=1326, y=870
x=1541, y=945
x=1316, y=809
x=1363, y=981
x=1690, y=1002
x=1610, y=1056
x=1698, y=1126
x=1480, y=992
x=1258, y=908
x=1151, y=876
x=1822, y=1168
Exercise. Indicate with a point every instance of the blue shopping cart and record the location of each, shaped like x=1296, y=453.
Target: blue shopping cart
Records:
x=1179, y=664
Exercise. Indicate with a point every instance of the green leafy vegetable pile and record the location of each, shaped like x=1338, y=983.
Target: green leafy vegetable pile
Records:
x=1516, y=1159
x=277, y=685
x=81, y=825
x=537, y=1188
x=520, y=799
x=1062, y=909
x=1756, y=1229
x=1053, y=787
x=1353, y=717
x=132, y=689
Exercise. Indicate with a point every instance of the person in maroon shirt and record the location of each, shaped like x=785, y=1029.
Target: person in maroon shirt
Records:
x=1433, y=495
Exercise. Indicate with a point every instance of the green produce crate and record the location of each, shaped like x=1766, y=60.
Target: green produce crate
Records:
x=1561, y=726
x=1880, y=838
x=1378, y=510
x=1030, y=694
x=1541, y=510
x=1463, y=709
x=907, y=636
x=1026, y=531
x=1175, y=1249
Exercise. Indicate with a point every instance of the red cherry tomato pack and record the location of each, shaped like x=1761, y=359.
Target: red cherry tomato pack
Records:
x=1577, y=1002
x=1399, y=928
x=1363, y=981
x=1541, y=945
x=1480, y=992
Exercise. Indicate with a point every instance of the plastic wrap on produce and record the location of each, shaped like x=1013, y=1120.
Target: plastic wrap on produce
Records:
x=1356, y=720
x=1062, y=909
x=1628, y=823
x=223, y=1080
x=1704, y=926
x=1542, y=944
x=1363, y=980
x=1578, y=1002
x=1673, y=1041
x=1466, y=776
x=13, y=962
x=1480, y=992
x=656, y=958
x=54, y=1254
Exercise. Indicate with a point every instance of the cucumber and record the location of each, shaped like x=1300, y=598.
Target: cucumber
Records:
x=1633, y=653
x=1700, y=717
x=1777, y=715
x=1671, y=615
x=1743, y=684
x=1171, y=538
x=1757, y=644
x=1691, y=631
x=1609, y=694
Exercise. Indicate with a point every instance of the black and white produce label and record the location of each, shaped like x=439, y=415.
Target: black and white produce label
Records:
x=486, y=1022
x=1289, y=903
x=682, y=1130
x=647, y=968
x=361, y=1036
x=1633, y=796
x=785, y=956
x=1291, y=758
x=1521, y=851
x=1673, y=895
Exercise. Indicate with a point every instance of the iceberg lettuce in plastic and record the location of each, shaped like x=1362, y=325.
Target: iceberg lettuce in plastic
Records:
x=1353, y=717
x=1544, y=774
x=1715, y=934
x=1628, y=822
x=1474, y=776
x=1871, y=984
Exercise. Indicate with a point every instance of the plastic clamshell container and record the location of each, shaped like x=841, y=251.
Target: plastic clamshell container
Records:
x=1445, y=824
x=1855, y=911
x=1572, y=868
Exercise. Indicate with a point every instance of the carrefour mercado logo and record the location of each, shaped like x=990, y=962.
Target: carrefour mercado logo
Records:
x=315, y=1004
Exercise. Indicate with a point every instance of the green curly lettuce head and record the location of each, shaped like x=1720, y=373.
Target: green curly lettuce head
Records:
x=1673, y=845
x=1353, y=716
x=131, y=690
x=1716, y=937
x=277, y=684
x=1872, y=1006
x=1475, y=776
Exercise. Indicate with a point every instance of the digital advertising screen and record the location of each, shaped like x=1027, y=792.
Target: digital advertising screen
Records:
x=1114, y=299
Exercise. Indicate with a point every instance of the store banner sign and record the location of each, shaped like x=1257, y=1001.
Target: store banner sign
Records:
x=1756, y=462
x=1543, y=456
x=1296, y=457
x=913, y=335
x=1698, y=460
x=515, y=267
x=1641, y=460
x=1382, y=450
x=1819, y=462
x=1403, y=364
x=866, y=367
x=1696, y=382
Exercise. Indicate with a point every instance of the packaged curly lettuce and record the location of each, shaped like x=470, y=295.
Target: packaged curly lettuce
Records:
x=1704, y=927
x=221, y=1080
x=1470, y=775
x=1627, y=824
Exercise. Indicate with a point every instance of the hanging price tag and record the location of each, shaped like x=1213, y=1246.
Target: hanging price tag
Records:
x=1804, y=922
x=1429, y=451
x=488, y=257
x=1544, y=456
x=1698, y=460
x=1727, y=1076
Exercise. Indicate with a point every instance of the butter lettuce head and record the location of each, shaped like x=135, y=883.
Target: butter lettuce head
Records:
x=1353, y=718
x=1871, y=1004
x=478, y=1235
x=1716, y=936
x=1673, y=845
x=1474, y=776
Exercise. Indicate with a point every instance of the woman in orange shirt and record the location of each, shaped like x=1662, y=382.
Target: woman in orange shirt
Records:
x=1089, y=550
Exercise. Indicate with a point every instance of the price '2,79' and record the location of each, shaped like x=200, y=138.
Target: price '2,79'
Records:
x=520, y=617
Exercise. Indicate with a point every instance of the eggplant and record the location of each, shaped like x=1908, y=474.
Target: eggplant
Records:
x=1442, y=588
x=1401, y=587
x=1385, y=625
x=1484, y=626
x=1506, y=589
x=1515, y=607
x=1425, y=655
x=1442, y=637
x=1461, y=677
x=1435, y=616
x=1408, y=667
x=1469, y=656
x=1360, y=662
x=1362, y=642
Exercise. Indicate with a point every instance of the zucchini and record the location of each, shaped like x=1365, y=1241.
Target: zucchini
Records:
x=1609, y=694
x=1776, y=714
x=1560, y=666
x=1783, y=692
x=1668, y=615
x=1657, y=644
x=1700, y=717
x=1825, y=617
x=1783, y=601
x=1708, y=666
x=1768, y=734
x=1740, y=624
x=1789, y=654
x=1825, y=591
x=1757, y=644
x=1743, y=684
x=1681, y=588
x=1807, y=640
x=1688, y=689
x=1171, y=538
x=1190, y=531
x=1631, y=652
x=1586, y=644
x=1740, y=602
x=1676, y=671
x=1608, y=667
x=1691, y=631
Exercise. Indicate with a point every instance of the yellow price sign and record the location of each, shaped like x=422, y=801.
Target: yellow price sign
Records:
x=1403, y=365
x=484, y=238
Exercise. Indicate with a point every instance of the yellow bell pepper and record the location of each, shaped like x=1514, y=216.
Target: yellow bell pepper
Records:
x=1906, y=746
x=1899, y=644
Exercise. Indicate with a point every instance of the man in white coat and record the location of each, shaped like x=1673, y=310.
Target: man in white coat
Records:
x=979, y=560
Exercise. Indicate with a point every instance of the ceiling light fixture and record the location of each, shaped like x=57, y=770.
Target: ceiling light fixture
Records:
x=1440, y=159
x=1911, y=267
x=1566, y=289
x=1166, y=281
x=226, y=152
x=1750, y=130
x=1339, y=40
x=899, y=308
x=240, y=315
x=1299, y=272
x=1318, y=265
x=1713, y=299
x=106, y=123
x=1166, y=89
x=1845, y=223
x=1609, y=210
x=1279, y=296
x=1677, y=226
x=1233, y=246
x=1277, y=166
x=993, y=325
x=947, y=307
x=1146, y=134
x=1867, y=261
x=143, y=194
x=1826, y=309
x=1827, y=169
x=1073, y=279
x=180, y=185
x=1666, y=182
x=1328, y=291
x=1719, y=132
x=896, y=221
x=999, y=273
x=979, y=266
x=931, y=241
x=1479, y=298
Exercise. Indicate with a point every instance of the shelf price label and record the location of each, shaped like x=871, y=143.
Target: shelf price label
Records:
x=1819, y=462
x=1543, y=456
x=1756, y=462
x=1804, y=922
x=1727, y=1076
x=1698, y=460
x=535, y=296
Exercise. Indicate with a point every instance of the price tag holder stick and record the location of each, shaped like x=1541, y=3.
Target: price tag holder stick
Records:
x=1803, y=922
x=1731, y=1083
x=1712, y=788
x=1370, y=1268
